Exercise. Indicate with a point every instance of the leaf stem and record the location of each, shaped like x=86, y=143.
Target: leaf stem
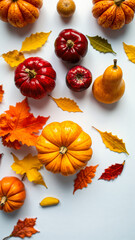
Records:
x=24, y=175
x=7, y=237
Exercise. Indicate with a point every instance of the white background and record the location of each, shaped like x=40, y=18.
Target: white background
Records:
x=103, y=210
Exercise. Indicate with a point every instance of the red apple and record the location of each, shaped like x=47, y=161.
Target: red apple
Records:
x=78, y=78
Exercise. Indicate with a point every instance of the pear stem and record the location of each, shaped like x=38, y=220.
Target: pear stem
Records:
x=115, y=63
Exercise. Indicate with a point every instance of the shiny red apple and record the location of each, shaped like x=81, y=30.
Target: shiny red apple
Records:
x=78, y=78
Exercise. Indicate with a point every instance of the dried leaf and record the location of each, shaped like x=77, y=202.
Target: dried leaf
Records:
x=112, y=142
x=1, y=93
x=29, y=166
x=112, y=172
x=84, y=177
x=18, y=126
x=13, y=58
x=101, y=44
x=35, y=41
x=66, y=104
x=24, y=228
x=49, y=201
x=130, y=52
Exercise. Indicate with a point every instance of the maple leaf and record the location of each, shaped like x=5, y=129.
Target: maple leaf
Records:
x=84, y=177
x=29, y=166
x=130, y=52
x=18, y=126
x=112, y=172
x=66, y=104
x=1, y=93
x=13, y=58
x=24, y=228
x=35, y=41
x=112, y=142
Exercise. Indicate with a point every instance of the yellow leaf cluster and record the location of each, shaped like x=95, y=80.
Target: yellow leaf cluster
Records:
x=29, y=166
x=66, y=104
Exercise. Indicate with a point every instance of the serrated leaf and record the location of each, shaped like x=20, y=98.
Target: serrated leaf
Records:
x=66, y=104
x=112, y=172
x=29, y=166
x=101, y=44
x=35, y=41
x=1, y=93
x=13, y=58
x=130, y=52
x=84, y=177
x=112, y=142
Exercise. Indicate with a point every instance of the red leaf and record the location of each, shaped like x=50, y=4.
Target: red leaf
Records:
x=84, y=177
x=1, y=93
x=112, y=172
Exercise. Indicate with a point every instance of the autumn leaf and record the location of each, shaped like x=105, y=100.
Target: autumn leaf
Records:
x=66, y=104
x=112, y=172
x=1, y=93
x=29, y=166
x=101, y=44
x=35, y=41
x=13, y=58
x=24, y=228
x=112, y=142
x=84, y=177
x=130, y=52
x=18, y=126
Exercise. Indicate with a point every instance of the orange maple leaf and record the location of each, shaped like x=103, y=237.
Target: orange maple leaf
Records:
x=84, y=177
x=1, y=93
x=18, y=126
x=24, y=228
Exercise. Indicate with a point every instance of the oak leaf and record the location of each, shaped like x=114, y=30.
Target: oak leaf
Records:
x=112, y=142
x=13, y=58
x=35, y=41
x=130, y=52
x=18, y=126
x=101, y=44
x=1, y=93
x=66, y=104
x=84, y=177
x=112, y=172
x=24, y=228
x=29, y=166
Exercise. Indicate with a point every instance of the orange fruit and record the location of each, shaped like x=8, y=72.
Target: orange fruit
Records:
x=66, y=8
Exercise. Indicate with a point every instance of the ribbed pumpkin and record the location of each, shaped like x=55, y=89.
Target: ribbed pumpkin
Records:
x=64, y=147
x=12, y=194
x=20, y=12
x=113, y=14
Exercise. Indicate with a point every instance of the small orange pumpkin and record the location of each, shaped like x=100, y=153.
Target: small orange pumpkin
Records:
x=64, y=147
x=12, y=194
x=20, y=12
x=113, y=14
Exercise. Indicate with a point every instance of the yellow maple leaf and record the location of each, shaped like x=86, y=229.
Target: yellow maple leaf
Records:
x=130, y=52
x=66, y=104
x=13, y=58
x=29, y=166
x=35, y=41
x=112, y=142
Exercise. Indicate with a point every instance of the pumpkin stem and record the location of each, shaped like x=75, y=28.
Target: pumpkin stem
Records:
x=3, y=201
x=70, y=43
x=31, y=73
x=115, y=63
x=118, y=2
x=63, y=150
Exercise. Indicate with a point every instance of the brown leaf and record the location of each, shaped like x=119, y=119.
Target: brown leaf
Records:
x=112, y=142
x=24, y=228
x=13, y=58
x=18, y=126
x=1, y=93
x=66, y=104
x=112, y=172
x=84, y=177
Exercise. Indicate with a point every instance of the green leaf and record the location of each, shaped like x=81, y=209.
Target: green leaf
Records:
x=101, y=44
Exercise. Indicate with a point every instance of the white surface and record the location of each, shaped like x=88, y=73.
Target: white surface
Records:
x=103, y=210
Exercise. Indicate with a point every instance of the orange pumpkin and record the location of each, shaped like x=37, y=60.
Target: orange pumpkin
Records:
x=20, y=12
x=64, y=147
x=12, y=194
x=113, y=14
